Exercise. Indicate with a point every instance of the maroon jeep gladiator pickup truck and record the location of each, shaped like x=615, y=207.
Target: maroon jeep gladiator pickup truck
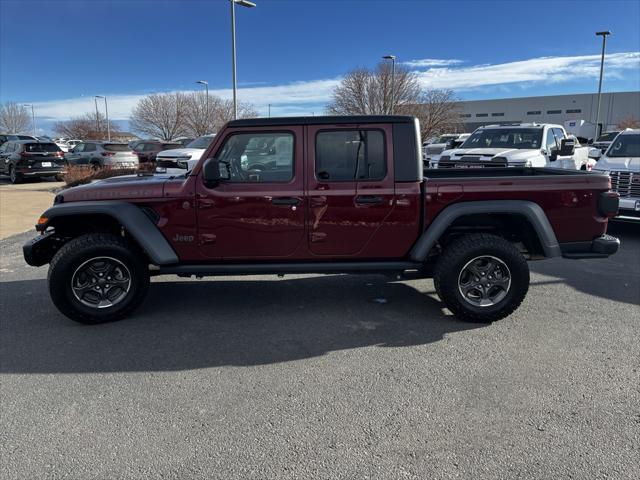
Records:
x=320, y=195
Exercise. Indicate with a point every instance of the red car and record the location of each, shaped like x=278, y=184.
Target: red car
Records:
x=320, y=195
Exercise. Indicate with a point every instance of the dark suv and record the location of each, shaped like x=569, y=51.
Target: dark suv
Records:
x=148, y=149
x=6, y=137
x=30, y=159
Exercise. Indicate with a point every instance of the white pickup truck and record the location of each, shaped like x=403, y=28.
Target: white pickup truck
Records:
x=519, y=145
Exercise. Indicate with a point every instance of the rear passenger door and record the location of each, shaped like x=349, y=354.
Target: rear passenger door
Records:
x=350, y=188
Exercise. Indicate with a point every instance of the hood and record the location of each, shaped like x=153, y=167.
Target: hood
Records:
x=125, y=187
x=510, y=153
x=622, y=164
x=193, y=153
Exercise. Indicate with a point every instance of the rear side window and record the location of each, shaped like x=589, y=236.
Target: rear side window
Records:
x=116, y=147
x=41, y=147
x=349, y=155
x=89, y=147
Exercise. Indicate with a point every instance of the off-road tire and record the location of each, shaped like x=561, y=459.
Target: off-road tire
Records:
x=458, y=254
x=82, y=249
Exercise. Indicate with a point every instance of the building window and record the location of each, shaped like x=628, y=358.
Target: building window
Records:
x=576, y=110
x=497, y=114
x=482, y=114
x=534, y=112
x=465, y=115
x=553, y=112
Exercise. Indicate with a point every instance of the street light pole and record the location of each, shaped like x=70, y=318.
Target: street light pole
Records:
x=33, y=117
x=106, y=113
x=95, y=99
x=393, y=78
x=243, y=3
x=604, y=43
x=206, y=88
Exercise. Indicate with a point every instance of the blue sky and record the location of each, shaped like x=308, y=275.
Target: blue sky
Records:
x=58, y=54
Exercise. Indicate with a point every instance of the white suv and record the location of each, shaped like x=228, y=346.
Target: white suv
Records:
x=622, y=162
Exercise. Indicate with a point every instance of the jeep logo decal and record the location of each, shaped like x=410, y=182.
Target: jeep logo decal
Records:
x=183, y=238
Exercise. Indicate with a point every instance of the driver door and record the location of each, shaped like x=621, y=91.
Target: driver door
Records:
x=258, y=212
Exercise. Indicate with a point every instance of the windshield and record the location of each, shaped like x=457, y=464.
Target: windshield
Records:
x=524, y=138
x=607, y=137
x=201, y=142
x=41, y=147
x=625, y=146
x=116, y=147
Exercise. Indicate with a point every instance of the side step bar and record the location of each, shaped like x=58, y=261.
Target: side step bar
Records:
x=290, y=268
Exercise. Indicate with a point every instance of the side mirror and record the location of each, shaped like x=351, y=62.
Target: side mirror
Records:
x=567, y=147
x=211, y=172
x=595, y=153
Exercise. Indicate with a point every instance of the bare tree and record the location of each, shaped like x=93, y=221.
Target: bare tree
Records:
x=197, y=121
x=160, y=115
x=629, y=122
x=369, y=92
x=438, y=111
x=14, y=118
x=87, y=127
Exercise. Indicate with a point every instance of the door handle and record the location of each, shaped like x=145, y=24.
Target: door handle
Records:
x=368, y=200
x=286, y=201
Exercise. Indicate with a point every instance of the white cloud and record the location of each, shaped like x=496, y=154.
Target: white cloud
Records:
x=311, y=96
x=543, y=69
x=432, y=62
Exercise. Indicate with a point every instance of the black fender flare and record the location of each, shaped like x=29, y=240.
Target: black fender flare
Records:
x=131, y=217
x=530, y=210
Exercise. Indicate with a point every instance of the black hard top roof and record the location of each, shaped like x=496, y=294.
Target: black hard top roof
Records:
x=320, y=120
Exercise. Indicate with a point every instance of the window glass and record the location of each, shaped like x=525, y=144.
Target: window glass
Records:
x=89, y=147
x=553, y=112
x=497, y=114
x=534, y=112
x=201, y=142
x=575, y=110
x=350, y=154
x=78, y=148
x=482, y=114
x=258, y=157
x=559, y=135
x=41, y=147
x=551, y=141
x=151, y=147
x=116, y=147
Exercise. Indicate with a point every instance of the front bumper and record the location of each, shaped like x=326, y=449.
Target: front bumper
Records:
x=40, y=250
x=600, y=247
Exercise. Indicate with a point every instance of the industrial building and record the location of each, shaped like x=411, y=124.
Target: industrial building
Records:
x=568, y=110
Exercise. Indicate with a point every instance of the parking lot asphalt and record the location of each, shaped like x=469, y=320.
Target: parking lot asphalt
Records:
x=313, y=377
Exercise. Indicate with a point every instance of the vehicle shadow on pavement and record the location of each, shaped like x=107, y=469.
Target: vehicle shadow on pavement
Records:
x=209, y=323
x=615, y=278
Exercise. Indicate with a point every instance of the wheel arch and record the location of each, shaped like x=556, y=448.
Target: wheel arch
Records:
x=517, y=212
x=112, y=216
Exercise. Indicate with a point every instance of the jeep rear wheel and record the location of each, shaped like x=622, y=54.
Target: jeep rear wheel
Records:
x=481, y=277
x=98, y=278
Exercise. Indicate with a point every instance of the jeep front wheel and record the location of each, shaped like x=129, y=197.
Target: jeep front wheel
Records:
x=98, y=278
x=481, y=277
